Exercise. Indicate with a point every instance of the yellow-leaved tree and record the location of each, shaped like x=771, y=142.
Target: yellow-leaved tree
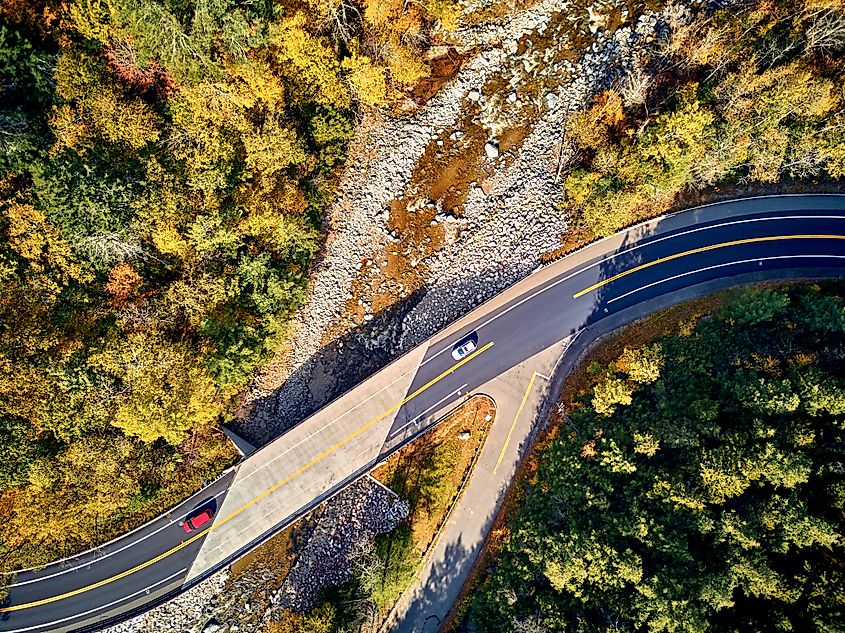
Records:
x=90, y=476
x=94, y=107
x=309, y=63
x=367, y=80
x=50, y=261
x=162, y=392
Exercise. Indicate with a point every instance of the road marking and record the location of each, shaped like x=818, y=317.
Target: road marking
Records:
x=543, y=376
x=362, y=429
x=630, y=250
x=734, y=263
x=105, y=606
x=327, y=424
x=419, y=417
x=703, y=249
x=356, y=433
x=515, y=418
x=255, y=500
x=99, y=558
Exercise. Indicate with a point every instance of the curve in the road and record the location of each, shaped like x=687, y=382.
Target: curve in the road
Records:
x=654, y=260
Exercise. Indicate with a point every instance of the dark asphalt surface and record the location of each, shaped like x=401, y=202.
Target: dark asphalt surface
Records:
x=532, y=322
x=90, y=568
x=524, y=326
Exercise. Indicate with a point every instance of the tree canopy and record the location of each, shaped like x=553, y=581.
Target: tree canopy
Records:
x=710, y=498
x=748, y=94
x=164, y=165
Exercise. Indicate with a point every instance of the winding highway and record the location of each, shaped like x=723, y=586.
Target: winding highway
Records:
x=760, y=238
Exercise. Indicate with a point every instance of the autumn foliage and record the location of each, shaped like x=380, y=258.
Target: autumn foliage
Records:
x=710, y=498
x=164, y=166
x=747, y=95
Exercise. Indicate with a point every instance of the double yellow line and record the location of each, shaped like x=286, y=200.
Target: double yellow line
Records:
x=249, y=504
x=703, y=249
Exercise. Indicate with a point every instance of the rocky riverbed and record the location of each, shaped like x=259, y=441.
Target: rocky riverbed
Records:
x=530, y=72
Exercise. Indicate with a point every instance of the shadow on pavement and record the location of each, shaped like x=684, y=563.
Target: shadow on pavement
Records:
x=370, y=346
x=359, y=353
x=434, y=600
x=445, y=581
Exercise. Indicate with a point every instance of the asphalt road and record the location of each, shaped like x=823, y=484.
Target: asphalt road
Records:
x=670, y=262
x=765, y=237
x=136, y=551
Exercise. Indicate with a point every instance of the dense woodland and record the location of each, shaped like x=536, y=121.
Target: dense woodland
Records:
x=750, y=94
x=164, y=166
x=699, y=485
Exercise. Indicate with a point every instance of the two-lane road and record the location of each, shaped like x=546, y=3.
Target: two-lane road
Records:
x=638, y=271
x=766, y=236
x=127, y=572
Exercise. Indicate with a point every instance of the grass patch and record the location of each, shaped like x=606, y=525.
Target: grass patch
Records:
x=430, y=473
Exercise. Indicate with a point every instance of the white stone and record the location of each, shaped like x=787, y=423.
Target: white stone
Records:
x=491, y=148
x=473, y=95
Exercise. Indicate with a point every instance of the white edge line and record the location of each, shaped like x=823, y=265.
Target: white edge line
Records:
x=101, y=607
x=631, y=249
x=361, y=452
x=734, y=263
x=301, y=492
x=112, y=553
x=493, y=318
x=120, y=537
x=327, y=424
x=416, y=419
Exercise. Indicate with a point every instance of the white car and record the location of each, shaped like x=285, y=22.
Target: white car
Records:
x=463, y=349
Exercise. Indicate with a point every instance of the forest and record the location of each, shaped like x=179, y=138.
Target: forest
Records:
x=164, y=168
x=749, y=95
x=698, y=484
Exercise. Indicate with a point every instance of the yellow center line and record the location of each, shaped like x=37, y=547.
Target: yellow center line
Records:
x=252, y=502
x=702, y=249
x=515, y=418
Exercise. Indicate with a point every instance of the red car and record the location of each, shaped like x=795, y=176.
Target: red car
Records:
x=196, y=521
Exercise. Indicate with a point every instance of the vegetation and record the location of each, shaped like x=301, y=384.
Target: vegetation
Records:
x=709, y=497
x=430, y=474
x=163, y=169
x=746, y=95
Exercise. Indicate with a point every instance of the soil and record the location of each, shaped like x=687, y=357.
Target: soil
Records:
x=471, y=417
x=444, y=63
